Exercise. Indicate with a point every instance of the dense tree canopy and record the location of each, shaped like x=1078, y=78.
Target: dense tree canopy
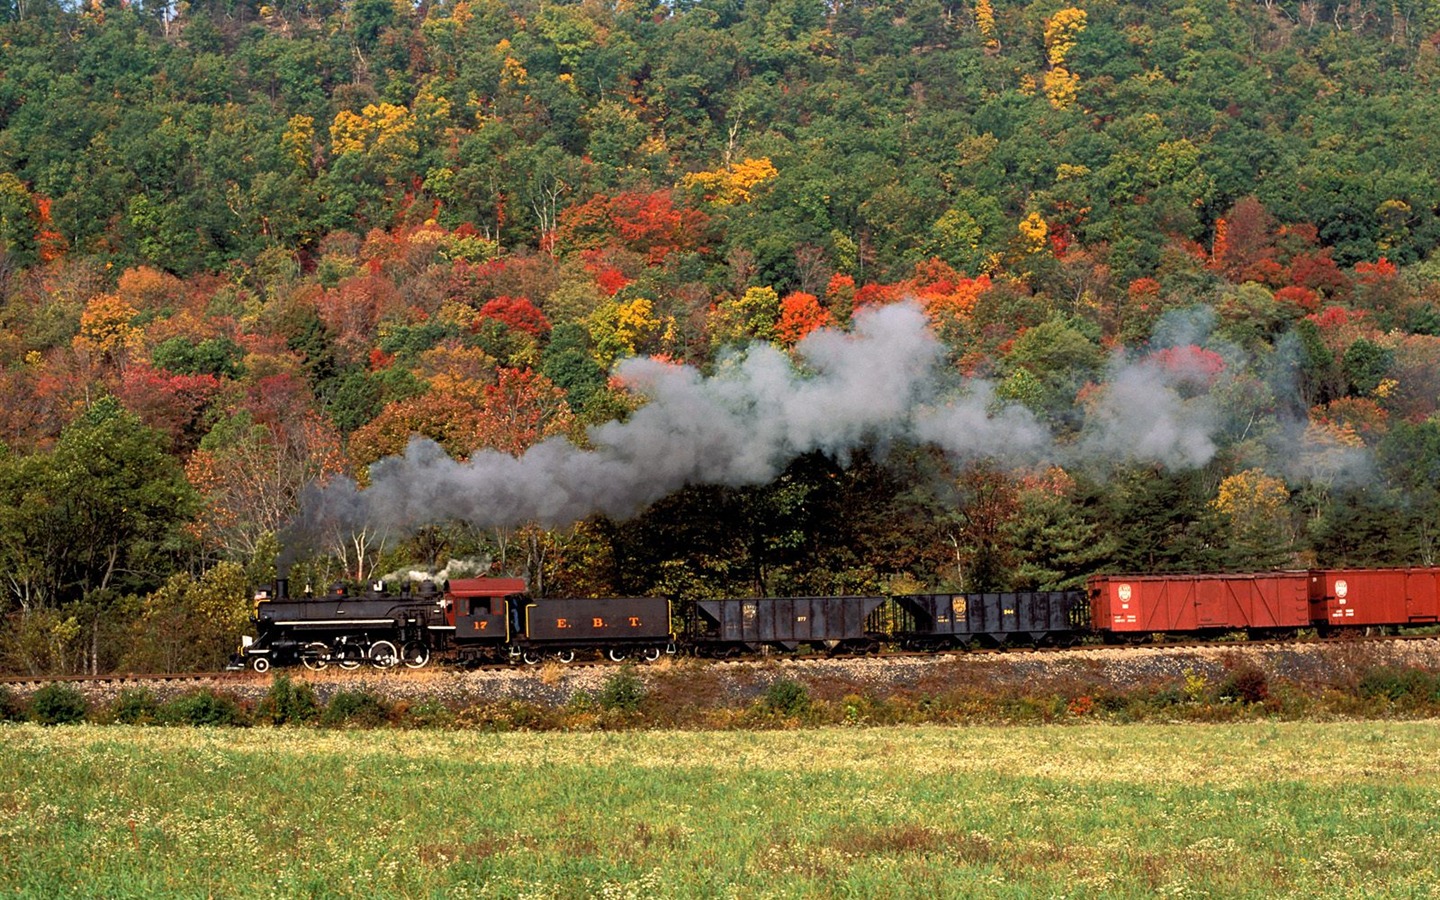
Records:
x=247, y=248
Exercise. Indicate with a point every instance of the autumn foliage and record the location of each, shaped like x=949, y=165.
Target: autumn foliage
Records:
x=800, y=314
x=279, y=246
x=519, y=410
x=650, y=224
x=517, y=313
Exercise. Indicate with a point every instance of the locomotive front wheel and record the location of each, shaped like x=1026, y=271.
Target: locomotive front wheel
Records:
x=314, y=656
x=651, y=654
x=414, y=654
x=617, y=655
x=566, y=656
x=260, y=664
x=383, y=655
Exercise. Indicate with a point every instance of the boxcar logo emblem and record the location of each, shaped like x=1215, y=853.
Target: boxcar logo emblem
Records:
x=1124, y=593
x=1341, y=588
x=957, y=606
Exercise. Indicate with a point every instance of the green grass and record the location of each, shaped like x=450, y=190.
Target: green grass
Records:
x=1241, y=810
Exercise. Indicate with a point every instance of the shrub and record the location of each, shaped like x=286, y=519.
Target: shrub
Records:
x=484, y=717
x=528, y=716
x=1196, y=685
x=58, y=704
x=1393, y=684
x=622, y=692
x=1080, y=706
x=509, y=715
x=201, y=708
x=1169, y=695
x=358, y=707
x=287, y=702
x=431, y=713
x=787, y=697
x=135, y=706
x=11, y=709
x=1245, y=684
x=860, y=709
x=1111, y=701
x=580, y=702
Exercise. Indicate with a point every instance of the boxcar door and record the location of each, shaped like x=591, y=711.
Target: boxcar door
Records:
x=1422, y=595
x=1213, y=598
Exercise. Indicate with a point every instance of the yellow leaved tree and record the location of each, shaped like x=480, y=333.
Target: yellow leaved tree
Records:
x=297, y=143
x=1032, y=233
x=733, y=184
x=1062, y=31
x=383, y=132
x=622, y=328
x=985, y=22
x=1254, y=509
x=108, y=332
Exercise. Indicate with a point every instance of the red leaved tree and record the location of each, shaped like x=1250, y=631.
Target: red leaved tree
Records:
x=521, y=409
x=517, y=313
x=172, y=404
x=800, y=314
x=448, y=418
x=650, y=224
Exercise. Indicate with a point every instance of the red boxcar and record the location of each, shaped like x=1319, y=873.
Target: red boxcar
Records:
x=1139, y=604
x=1341, y=597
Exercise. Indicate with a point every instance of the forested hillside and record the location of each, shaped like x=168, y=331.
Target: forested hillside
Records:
x=793, y=297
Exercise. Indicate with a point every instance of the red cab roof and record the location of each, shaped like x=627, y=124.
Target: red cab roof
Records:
x=485, y=587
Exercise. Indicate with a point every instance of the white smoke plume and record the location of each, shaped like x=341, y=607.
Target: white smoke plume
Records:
x=1141, y=415
x=882, y=382
x=454, y=568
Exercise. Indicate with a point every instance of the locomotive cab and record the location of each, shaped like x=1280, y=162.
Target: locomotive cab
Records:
x=481, y=615
x=478, y=618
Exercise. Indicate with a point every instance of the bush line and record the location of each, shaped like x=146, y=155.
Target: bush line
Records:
x=626, y=701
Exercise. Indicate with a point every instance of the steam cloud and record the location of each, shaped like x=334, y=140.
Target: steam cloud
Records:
x=882, y=382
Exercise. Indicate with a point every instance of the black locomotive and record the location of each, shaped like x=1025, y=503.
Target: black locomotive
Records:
x=343, y=628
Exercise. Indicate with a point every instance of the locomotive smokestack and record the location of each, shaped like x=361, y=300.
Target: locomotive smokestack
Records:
x=282, y=589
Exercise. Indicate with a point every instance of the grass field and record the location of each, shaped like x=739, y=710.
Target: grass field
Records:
x=1257, y=809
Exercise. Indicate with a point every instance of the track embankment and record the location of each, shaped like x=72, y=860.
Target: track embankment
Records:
x=1088, y=669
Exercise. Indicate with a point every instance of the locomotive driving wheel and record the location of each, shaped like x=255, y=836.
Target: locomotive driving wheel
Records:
x=414, y=654
x=383, y=655
x=315, y=656
x=349, y=655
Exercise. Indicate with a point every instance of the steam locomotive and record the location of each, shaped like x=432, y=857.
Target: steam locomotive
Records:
x=476, y=620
